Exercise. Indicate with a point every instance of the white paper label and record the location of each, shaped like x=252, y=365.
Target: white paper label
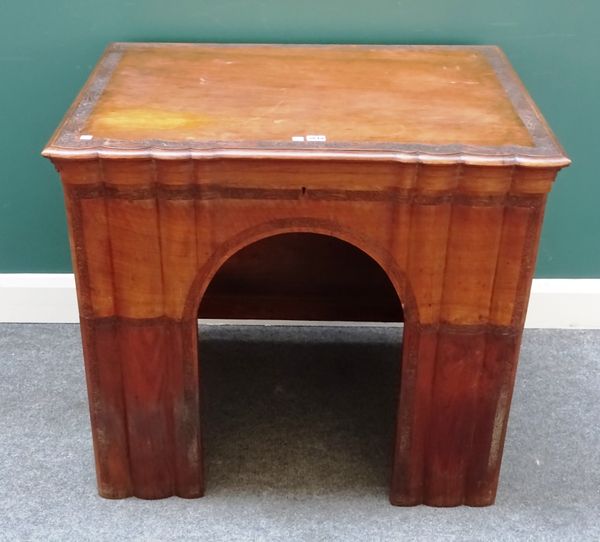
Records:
x=85, y=137
x=316, y=138
x=298, y=138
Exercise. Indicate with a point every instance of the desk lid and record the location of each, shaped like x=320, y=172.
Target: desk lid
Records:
x=428, y=104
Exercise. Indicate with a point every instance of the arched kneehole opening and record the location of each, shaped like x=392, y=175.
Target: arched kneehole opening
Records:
x=304, y=408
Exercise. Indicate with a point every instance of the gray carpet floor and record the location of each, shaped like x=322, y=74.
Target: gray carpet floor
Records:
x=297, y=438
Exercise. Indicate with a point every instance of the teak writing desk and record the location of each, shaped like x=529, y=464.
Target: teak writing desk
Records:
x=431, y=160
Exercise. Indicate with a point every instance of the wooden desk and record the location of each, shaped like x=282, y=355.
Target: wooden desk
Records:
x=430, y=163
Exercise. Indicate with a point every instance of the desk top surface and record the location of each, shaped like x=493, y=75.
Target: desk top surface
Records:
x=431, y=104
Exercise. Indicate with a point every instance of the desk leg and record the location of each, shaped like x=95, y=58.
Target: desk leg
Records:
x=143, y=392
x=107, y=407
x=186, y=410
x=454, y=403
x=495, y=387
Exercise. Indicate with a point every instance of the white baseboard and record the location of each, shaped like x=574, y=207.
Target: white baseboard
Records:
x=50, y=298
x=38, y=298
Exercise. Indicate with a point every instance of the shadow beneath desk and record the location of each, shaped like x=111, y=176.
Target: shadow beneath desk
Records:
x=298, y=410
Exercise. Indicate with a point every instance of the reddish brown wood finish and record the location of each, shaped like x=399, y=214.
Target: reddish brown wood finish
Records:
x=456, y=233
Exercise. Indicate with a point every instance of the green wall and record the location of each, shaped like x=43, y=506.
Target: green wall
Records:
x=47, y=49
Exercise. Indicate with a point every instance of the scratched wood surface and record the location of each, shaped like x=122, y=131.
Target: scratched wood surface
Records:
x=408, y=103
x=448, y=245
x=270, y=93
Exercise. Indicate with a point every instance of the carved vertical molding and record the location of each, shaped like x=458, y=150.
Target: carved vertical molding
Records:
x=177, y=218
x=107, y=407
x=92, y=262
x=425, y=266
x=143, y=333
x=412, y=420
x=491, y=414
x=135, y=238
x=473, y=242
